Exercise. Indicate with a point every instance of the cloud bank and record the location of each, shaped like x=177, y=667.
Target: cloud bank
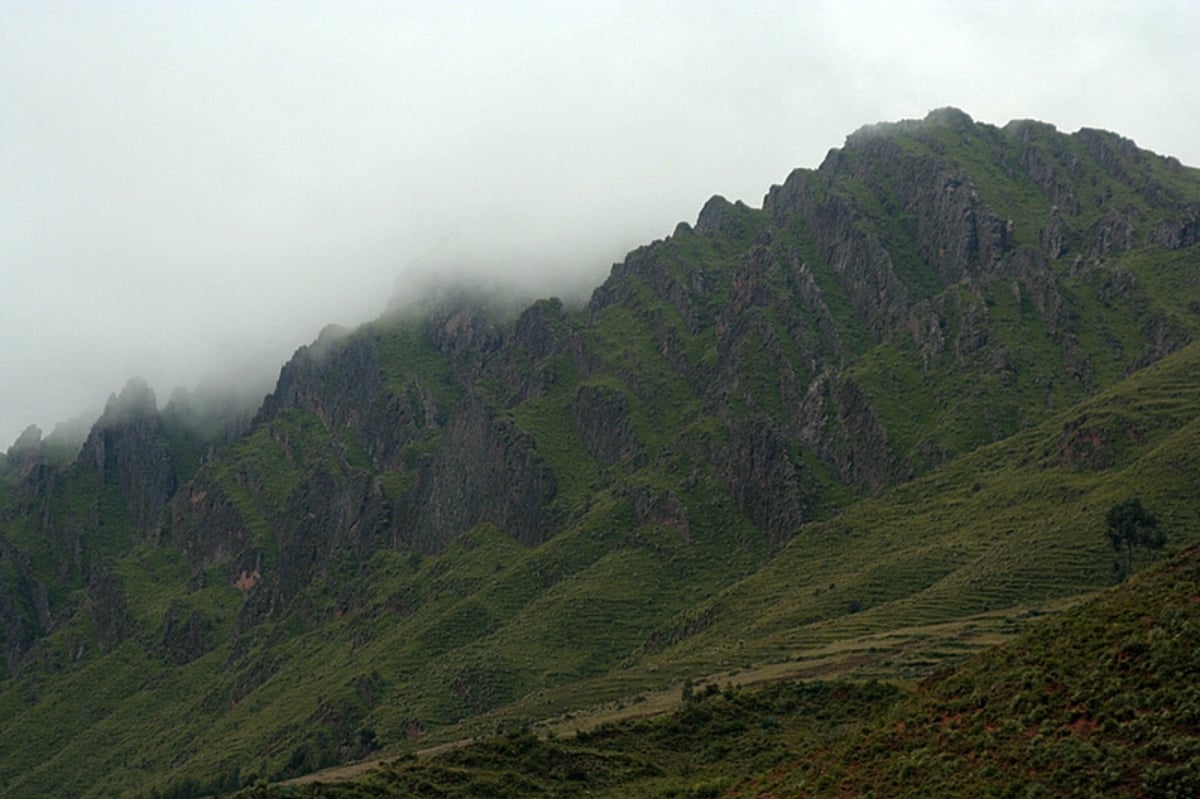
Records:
x=197, y=190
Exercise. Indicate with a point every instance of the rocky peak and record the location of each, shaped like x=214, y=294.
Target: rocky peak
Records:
x=1115, y=153
x=945, y=118
x=539, y=331
x=719, y=216
x=335, y=370
x=25, y=454
x=951, y=117
x=30, y=439
x=135, y=400
x=128, y=449
x=1027, y=131
x=465, y=329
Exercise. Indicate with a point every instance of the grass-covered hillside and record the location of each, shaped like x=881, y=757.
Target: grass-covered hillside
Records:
x=860, y=432
x=1100, y=700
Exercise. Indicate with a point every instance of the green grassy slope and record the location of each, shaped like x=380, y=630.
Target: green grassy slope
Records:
x=1098, y=701
x=795, y=472
x=504, y=635
x=1015, y=524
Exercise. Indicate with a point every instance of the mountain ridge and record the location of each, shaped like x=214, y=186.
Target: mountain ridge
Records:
x=523, y=502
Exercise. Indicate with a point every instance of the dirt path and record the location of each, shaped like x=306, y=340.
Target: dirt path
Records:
x=875, y=655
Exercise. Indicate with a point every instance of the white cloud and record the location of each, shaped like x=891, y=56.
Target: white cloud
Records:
x=182, y=185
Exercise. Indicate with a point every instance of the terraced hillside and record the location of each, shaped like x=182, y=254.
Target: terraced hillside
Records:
x=862, y=430
x=1098, y=701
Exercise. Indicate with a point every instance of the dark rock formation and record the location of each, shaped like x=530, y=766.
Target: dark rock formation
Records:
x=856, y=257
x=659, y=507
x=105, y=604
x=26, y=454
x=185, y=635
x=604, y=424
x=128, y=450
x=1114, y=233
x=1180, y=231
x=486, y=470
x=756, y=350
x=24, y=606
x=763, y=479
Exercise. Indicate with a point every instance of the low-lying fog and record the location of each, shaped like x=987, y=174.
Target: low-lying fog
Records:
x=191, y=190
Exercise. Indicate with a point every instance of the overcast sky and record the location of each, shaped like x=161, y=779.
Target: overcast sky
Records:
x=191, y=189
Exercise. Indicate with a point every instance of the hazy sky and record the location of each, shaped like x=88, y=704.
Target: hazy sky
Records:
x=197, y=188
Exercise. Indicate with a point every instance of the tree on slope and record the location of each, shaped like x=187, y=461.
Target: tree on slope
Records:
x=1130, y=526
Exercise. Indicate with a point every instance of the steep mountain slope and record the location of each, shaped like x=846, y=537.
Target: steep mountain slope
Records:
x=458, y=517
x=1100, y=701
x=1017, y=523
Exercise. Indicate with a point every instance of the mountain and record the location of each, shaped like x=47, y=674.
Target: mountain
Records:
x=862, y=430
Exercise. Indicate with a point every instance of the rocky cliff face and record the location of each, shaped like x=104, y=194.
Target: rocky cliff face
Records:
x=128, y=450
x=897, y=265
x=930, y=288
x=603, y=421
x=485, y=470
x=63, y=523
x=339, y=380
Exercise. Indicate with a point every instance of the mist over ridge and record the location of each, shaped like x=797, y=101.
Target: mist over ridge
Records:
x=192, y=192
x=896, y=398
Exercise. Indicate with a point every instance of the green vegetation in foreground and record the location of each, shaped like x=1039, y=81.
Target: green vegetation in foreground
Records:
x=1101, y=700
x=699, y=750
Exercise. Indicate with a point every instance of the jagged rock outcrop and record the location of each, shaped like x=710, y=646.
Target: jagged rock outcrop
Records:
x=186, y=635
x=1055, y=237
x=485, y=470
x=340, y=379
x=839, y=423
x=328, y=514
x=763, y=479
x=24, y=606
x=602, y=417
x=540, y=333
x=954, y=231
x=205, y=526
x=934, y=286
x=127, y=448
x=659, y=507
x=25, y=454
x=1046, y=158
x=687, y=288
x=856, y=257
x=90, y=498
x=1163, y=335
x=759, y=350
x=1118, y=156
x=105, y=605
x=1115, y=232
x=720, y=217
x=1179, y=231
